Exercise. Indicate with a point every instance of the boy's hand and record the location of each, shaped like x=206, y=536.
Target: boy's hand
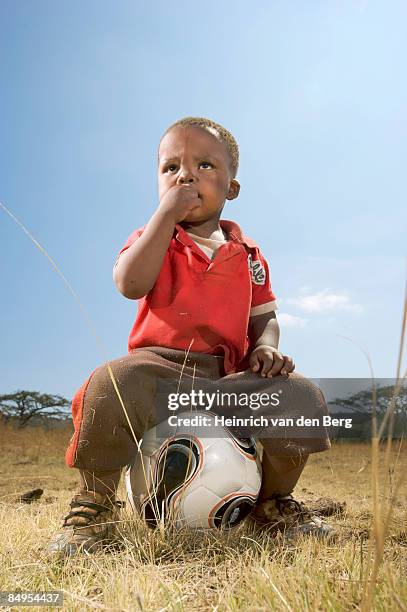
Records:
x=268, y=361
x=179, y=201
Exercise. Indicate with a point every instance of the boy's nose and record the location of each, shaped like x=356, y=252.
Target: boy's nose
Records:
x=185, y=176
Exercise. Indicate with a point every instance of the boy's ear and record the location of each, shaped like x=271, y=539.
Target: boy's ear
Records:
x=234, y=189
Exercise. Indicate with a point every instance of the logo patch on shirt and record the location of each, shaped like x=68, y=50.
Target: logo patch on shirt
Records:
x=257, y=271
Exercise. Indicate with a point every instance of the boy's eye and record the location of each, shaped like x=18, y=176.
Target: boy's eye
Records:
x=173, y=167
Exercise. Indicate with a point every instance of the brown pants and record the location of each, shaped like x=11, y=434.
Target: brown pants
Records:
x=103, y=439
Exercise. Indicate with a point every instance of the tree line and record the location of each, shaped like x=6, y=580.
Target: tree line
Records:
x=24, y=406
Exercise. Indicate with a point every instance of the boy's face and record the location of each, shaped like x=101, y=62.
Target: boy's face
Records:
x=194, y=156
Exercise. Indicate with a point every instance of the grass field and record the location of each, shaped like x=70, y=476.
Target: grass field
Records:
x=203, y=571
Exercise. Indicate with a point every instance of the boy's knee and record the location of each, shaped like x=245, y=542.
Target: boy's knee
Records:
x=305, y=391
x=100, y=380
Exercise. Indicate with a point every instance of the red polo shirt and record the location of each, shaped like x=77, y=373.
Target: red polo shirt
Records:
x=204, y=305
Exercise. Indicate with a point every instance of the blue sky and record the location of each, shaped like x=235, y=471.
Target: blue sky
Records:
x=314, y=92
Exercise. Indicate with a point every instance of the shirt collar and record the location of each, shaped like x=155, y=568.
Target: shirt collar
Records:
x=230, y=227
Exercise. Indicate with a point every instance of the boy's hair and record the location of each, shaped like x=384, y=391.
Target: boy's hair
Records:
x=217, y=130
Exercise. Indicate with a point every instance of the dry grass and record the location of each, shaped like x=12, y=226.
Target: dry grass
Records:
x=203, y=571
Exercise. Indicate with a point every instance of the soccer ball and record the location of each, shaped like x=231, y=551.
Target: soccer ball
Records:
x=201, y=477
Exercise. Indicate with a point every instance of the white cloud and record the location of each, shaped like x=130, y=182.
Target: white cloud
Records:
x=305, y=289
x=287, y=320
x=325, y=301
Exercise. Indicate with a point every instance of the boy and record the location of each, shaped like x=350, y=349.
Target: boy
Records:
x=206, y=313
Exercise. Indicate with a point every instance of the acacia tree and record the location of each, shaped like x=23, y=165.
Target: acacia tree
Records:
x=24, y=405
x=362, y=401
x=360, y=407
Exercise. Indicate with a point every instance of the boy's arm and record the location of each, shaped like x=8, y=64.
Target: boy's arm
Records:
x=264, y=330
x=138, y=267
x=265, y=358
